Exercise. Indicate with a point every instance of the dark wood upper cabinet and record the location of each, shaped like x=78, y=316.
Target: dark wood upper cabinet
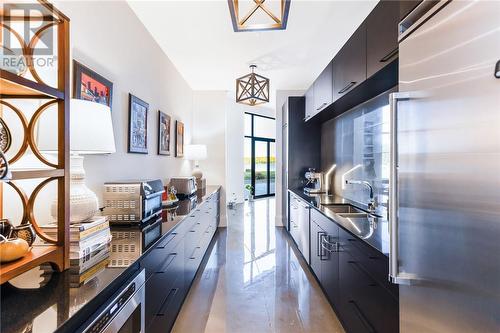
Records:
x=382, y=36
x=309, y=113
x=323, y=89
x=406, y=6
x=349, y=65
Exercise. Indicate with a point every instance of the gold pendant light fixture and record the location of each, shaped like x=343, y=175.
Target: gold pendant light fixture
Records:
x=256, y=15
x=252, y=89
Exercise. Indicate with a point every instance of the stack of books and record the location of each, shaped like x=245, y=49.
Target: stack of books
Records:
x=89, y=248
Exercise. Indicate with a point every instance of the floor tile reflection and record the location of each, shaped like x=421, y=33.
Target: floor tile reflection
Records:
x=254, y=282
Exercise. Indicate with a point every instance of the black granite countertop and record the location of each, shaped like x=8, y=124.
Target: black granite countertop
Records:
x=41, y=300
x=373, y=231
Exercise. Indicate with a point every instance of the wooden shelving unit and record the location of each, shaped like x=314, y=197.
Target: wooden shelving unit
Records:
x=19, y=174
x=13, y=86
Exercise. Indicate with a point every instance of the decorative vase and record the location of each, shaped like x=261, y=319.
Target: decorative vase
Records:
x=5, y=227
x=24, y=231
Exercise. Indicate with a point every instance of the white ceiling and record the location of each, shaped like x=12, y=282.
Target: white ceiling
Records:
x=198, y=38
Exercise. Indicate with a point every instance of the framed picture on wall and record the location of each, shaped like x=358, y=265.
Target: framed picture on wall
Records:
x=137, y=125
x=163, y=134
x=179, y=139
x=90, y=86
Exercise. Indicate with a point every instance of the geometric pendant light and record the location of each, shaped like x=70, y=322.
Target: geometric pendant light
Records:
x=252, y=89
x=259, y=15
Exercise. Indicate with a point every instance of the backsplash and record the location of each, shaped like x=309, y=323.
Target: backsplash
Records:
x=358, y=143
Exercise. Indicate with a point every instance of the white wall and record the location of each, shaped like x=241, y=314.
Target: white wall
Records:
x=110, y=39
x=219, y=123
x=281, y=96
x=114, y=43
x=209, y=120
x=235, y=144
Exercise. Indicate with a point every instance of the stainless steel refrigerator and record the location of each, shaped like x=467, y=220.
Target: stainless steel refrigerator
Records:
x=445, y=168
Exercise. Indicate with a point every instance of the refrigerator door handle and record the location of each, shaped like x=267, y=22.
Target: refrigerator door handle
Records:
x=394, y=275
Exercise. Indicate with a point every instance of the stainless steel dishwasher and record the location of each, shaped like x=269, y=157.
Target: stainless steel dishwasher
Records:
x=303, y=222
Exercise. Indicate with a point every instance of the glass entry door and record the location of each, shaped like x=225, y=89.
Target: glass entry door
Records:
x=264, y=167
x=260, y=154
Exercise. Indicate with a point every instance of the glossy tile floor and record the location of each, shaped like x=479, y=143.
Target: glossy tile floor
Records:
x=254, y=282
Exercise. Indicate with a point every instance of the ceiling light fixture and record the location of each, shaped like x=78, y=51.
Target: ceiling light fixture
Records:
x=256, y=15
x=252, y=89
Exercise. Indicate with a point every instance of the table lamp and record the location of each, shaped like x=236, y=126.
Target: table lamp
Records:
x=91, y=132
x=196, y=153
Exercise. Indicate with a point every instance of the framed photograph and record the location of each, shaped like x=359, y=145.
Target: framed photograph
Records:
x=179, y=139
x=90, y=86
x=137, y=125
x=163, y=134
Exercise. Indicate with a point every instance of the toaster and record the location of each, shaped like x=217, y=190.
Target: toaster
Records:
x=185, y=186
x=133, y=202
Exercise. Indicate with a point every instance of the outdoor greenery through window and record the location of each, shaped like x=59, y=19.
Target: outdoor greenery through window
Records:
x=260, y=155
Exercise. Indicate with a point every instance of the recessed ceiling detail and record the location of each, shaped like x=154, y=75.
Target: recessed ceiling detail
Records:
x=257, y=15
x=252, y=89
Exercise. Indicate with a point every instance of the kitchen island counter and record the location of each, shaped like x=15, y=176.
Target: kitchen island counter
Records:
x=42, y=300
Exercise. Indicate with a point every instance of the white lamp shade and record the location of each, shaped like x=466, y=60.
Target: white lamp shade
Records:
x=91, y=130
x=195, y=152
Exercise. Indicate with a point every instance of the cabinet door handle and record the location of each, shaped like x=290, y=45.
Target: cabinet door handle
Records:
x=322, y=256
x=167, y=301
x=319, y=250
x=390, y=55
x=192, y=254
x=362, y=317
x=497, y=70
x=349, y=86
x=164, y=268
x=166, y=240
x=321, y=106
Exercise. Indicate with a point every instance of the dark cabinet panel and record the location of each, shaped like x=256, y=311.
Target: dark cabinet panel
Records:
x=349, y=65
x=364, y=306
x=316, y=250
x=367, y=302
x=173, y=263
x=382, y=36
x=309, y=96
x=162, y=280
x=406, y=6
x=323, y=90
x=351, y=307
x=330, y=261
x=304, y=142
x=375, y=262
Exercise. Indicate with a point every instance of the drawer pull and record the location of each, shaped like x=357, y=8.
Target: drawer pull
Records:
x=192, y=254
x=166, y=240
x=362, y=317
x=361, y=270
x=164, y=268
x=321, y=106
x=167, y=301
x=349, y=86
x=390, y=55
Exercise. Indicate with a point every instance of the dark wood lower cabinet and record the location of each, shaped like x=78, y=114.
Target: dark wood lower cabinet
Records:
x=172, y=264
x=353, y=276
x=367, y=302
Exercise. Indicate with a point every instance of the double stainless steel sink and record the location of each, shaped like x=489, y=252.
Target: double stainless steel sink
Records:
x=363, y=223
x=346, y=211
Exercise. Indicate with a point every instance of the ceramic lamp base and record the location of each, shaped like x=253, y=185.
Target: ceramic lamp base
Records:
x=83, y=202
x=197, y=173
